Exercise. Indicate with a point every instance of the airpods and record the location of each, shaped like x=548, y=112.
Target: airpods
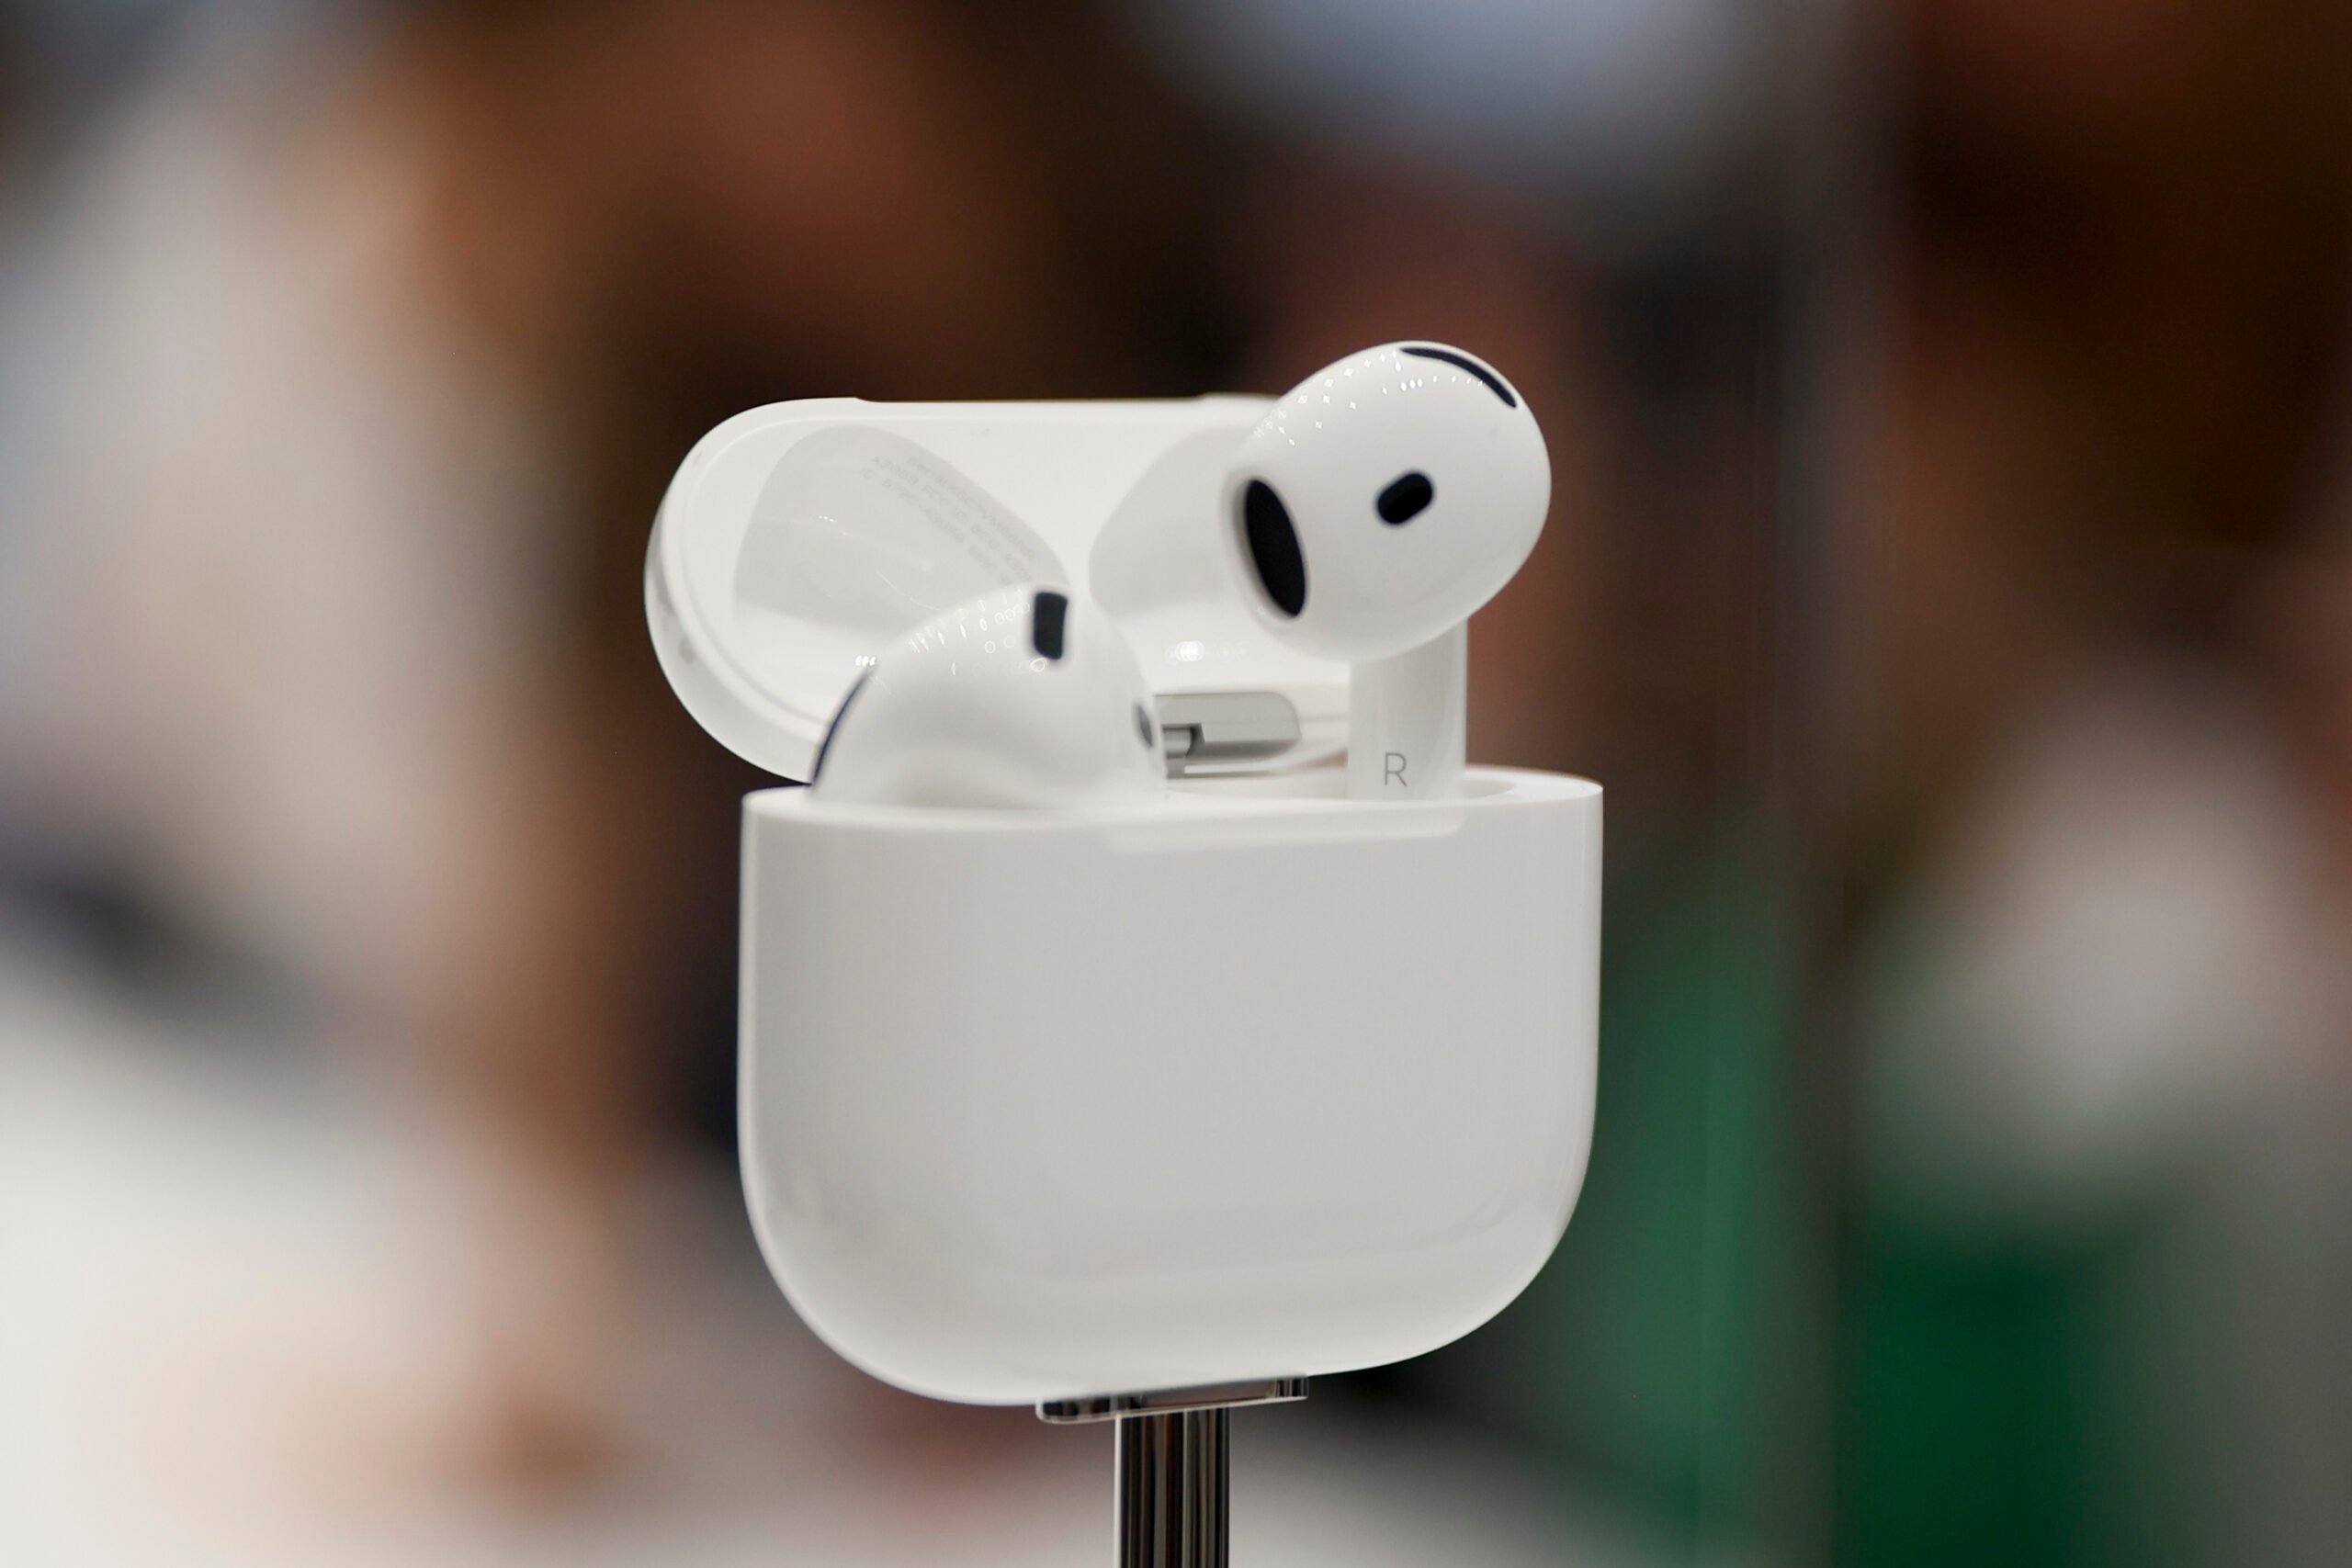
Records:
x=1026, y=697
x=1366, y=516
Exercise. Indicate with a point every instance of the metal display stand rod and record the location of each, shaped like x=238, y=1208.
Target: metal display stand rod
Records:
x=1173, y=1484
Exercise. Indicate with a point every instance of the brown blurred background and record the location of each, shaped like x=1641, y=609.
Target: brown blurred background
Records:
x=1949, y=575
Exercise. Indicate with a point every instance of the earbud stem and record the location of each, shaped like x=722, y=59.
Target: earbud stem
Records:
x=1406, y=720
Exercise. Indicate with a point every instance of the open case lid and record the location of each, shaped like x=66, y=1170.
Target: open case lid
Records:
x=799, y=539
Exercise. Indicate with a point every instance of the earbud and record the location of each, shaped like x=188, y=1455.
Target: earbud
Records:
x=1367, y=515
x=1026, y=697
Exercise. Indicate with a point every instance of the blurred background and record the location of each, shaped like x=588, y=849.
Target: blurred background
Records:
x=1949, y=575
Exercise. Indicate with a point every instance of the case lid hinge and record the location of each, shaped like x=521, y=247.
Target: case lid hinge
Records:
x=1206, y=729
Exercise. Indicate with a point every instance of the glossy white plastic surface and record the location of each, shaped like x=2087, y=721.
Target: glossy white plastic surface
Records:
x=981, y=706
x=1329, y=452
x=1406, y=721
x=799, y=539
x=1254, y=1081
x=1373, y=509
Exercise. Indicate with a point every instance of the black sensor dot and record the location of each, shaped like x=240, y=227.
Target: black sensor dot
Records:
x=1464, y=362
x=1273, y=548
x=1406, y=497
x=1048, y=622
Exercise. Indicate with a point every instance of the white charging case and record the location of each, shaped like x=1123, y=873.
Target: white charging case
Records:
x=1255, y=1082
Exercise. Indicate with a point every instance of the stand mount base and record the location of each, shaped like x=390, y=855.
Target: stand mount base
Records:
x=1174, y=1466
